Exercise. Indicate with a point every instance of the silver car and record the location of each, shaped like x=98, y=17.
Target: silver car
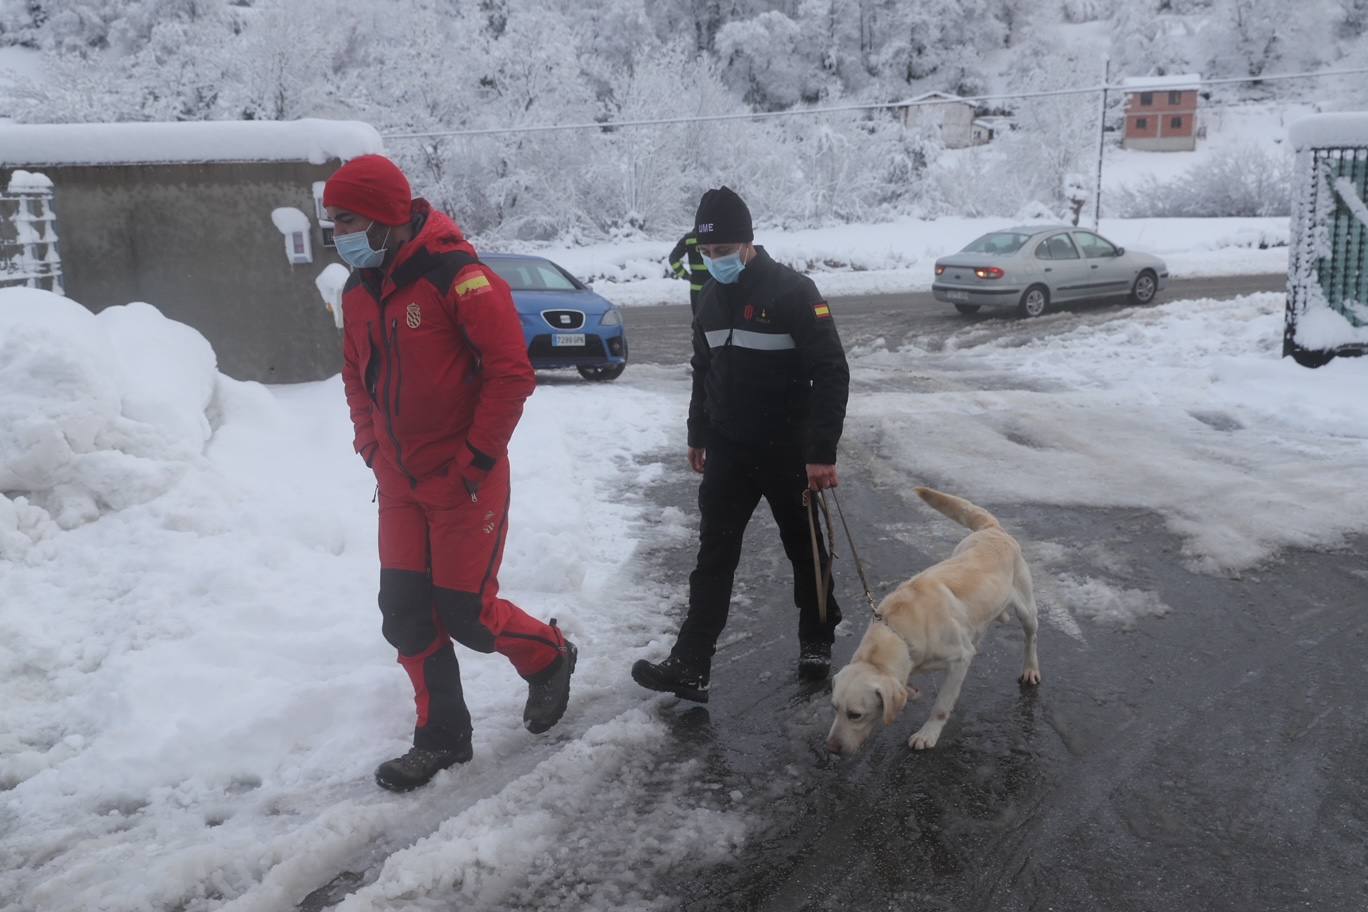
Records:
x=1035, y=266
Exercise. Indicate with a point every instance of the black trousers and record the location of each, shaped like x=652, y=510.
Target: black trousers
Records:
x=735, y=477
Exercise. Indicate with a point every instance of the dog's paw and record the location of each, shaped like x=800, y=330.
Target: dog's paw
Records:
x=923, y=740
x=1029, y=678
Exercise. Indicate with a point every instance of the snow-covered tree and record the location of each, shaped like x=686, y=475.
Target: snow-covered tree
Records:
x=1351, y=20
x=1148, y=41
x=1086, y=10
x=1258, y=36
x=924, y=37
x=764, y=60
x=434, y=66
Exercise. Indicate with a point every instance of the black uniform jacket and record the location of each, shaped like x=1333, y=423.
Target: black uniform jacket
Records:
x=768, y=366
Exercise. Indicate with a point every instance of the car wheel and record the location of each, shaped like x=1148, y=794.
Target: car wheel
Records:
x=1143, y=291
x=602, y=374
x=1034, y=301
x=968, y=308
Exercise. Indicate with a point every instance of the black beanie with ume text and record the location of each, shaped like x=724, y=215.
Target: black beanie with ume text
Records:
x=723, y=218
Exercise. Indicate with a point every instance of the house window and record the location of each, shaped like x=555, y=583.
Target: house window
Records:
x=1175, y=98
x=1175, y=123
x=1142, y=123
x=1146, y=99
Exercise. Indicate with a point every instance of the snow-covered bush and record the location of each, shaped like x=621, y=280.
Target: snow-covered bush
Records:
x=1240, y=181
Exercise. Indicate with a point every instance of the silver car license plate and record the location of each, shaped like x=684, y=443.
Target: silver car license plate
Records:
x=567, y=340
x=957, y=295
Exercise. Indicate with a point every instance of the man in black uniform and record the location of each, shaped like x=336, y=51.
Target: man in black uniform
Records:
x=687, y=263
x=770, y=383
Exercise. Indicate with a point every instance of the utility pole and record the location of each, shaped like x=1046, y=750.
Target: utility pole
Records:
x=1101, y=143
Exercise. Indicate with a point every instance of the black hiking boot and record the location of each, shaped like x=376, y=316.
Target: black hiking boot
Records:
x=418, y=766
x=685, y=680
x=549, y=694
x=814, y=661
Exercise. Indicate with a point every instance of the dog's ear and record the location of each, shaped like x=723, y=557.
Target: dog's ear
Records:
x=892, y=696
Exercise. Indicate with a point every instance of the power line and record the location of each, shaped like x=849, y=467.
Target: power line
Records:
x=876, y=106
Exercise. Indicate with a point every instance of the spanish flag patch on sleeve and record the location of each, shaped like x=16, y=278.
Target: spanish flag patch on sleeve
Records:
x=822, y=310
x=473, y=285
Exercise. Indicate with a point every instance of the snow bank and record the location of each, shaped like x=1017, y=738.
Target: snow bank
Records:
x=196, y=689
x=311, y=140
x=97, y=412
x=1186, y=409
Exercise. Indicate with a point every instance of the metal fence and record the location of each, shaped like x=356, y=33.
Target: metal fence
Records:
x=1329, y=249
x=28, y=234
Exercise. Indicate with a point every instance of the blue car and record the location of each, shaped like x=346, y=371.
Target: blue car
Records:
x=565, y=323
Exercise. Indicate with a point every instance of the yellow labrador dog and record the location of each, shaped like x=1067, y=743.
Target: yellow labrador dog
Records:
x=935, y=621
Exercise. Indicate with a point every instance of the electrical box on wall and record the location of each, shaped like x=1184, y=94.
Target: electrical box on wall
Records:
x=321, y=213
x=294, y=227
x=298, y=248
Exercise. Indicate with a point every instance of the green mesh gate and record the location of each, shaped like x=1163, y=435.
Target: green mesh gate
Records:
x=1328, y=260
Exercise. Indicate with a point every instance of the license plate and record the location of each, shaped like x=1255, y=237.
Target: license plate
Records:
x=957, y=295
x=564, y=340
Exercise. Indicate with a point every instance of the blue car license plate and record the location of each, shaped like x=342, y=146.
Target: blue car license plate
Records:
x=570, y=340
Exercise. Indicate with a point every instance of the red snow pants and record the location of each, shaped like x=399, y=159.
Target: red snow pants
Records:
x=440, y=550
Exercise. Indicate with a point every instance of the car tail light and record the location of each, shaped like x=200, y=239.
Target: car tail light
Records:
x=989, y=272
x=940, y=270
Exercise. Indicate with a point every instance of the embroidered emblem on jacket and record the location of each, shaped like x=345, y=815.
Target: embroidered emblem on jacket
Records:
x=415, y=315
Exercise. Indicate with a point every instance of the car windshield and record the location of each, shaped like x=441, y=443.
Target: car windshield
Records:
x=998, y=242
x=530, y=274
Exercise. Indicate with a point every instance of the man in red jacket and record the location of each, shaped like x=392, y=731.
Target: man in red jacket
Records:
x=436, y=372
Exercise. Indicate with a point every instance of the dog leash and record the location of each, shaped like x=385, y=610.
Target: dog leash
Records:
x=825, y=581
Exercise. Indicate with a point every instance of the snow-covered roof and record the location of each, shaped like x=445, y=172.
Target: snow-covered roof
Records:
x=1145, y=83
x=1329, y=131
x=935, y=96
x=310, y=140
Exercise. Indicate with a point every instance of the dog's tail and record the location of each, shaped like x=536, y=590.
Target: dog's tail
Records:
x=959, y=509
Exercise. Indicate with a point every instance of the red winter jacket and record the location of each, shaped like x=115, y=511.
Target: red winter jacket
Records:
x=435, y=366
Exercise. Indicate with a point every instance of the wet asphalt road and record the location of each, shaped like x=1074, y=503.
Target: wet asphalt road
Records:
x=1212, y=758
x=660, y=334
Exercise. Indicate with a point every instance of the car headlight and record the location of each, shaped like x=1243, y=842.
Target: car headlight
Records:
x=612, y=318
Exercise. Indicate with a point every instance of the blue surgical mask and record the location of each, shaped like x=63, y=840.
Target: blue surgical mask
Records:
x=725, y=269
x=355, y=249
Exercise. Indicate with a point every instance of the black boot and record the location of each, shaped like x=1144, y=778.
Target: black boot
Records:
x=549, y=694
x=814, y=661
x=418, y=766
x=686, y=680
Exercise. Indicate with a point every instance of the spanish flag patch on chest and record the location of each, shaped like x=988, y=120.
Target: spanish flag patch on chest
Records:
x=821, y=310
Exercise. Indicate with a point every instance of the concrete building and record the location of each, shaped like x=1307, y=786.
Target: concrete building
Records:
x=216, y=224
x=1161, y=113
x=952, y=114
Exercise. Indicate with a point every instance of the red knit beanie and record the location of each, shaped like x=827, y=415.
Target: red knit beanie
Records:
x=372, y=186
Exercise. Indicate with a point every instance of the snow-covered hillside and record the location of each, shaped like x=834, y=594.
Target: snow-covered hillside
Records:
x=625, y=60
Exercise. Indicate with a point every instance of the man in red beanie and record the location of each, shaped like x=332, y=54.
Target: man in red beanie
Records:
x=436, y=372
